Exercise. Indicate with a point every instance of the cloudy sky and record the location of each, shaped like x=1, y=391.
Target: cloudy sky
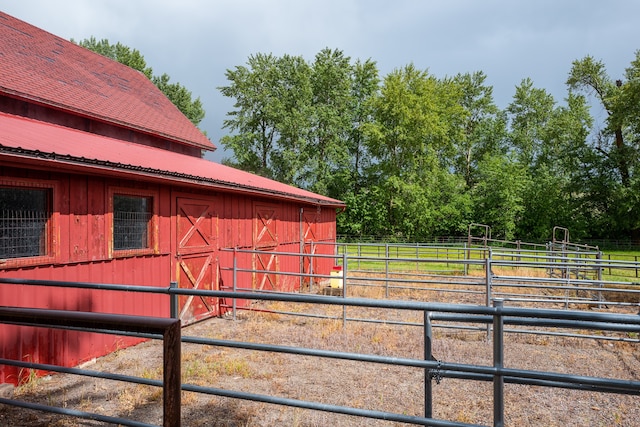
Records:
x=196, y=41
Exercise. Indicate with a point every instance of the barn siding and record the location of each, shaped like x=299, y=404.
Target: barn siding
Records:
x=82, y=222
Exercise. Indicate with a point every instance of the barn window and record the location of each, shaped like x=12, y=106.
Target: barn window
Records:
x=24, y=216
x=132, y=217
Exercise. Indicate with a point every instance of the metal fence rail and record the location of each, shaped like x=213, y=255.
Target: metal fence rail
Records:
x=550, y=277
x=488, y=277
x=167, y=329
x=496, y=316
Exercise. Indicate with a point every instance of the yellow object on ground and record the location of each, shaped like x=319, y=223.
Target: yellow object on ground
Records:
x=336, y=277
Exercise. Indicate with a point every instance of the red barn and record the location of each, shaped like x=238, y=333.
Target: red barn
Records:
x=103, y=180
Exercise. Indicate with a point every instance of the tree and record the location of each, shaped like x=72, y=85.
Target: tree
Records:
x=293, y=97
x=549, y=143
x=255, y=121
x=612, y=181
x=409, y=138
x=415, y=156
x=364, y=89
x=483, y=127
x=181, y=97
x=326, y=153
x=177, y=94
x=498, y=198
x=413, y=119
x=295, y=122
x=590, y=76
x=529, y=114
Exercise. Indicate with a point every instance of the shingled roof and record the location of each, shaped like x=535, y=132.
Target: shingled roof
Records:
x=45, y=69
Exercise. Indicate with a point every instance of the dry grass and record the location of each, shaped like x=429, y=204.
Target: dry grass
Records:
x=362, y=385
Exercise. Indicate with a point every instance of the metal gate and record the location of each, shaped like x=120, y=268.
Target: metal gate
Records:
x=197, y=264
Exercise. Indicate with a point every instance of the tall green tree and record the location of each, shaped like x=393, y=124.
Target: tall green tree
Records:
x=413, y=120
x=293, y=99
x=356, y=183
x=590, y=76
x=529, y=112
x=327, y=151
x=554, y=198
x=612, y=182
x=365, y=85
x=483, y=127
x=547, y=140
x=300, y=122
x=498, y=198
x=254, y=122
x=412, y=132
x=179, y=95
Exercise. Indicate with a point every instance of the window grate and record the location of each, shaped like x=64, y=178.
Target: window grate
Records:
x=131, y=230
x=131, y=221
x=23, y=233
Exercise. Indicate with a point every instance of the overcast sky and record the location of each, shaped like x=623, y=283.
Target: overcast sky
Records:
x=196, y=41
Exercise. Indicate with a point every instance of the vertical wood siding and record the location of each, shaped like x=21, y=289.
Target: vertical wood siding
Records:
x=82, y=254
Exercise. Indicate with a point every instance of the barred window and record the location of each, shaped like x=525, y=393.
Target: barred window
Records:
x=131, y=222
x=24, y=215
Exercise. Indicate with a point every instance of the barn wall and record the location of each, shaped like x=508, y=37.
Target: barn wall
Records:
x=81, y=254
x=69, y=348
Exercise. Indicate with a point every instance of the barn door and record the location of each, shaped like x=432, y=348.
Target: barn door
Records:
x=266, y=241
x=196, y=236
x=309, y=225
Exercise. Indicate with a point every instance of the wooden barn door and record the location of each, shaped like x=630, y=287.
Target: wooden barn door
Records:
x=309, y=228
x=266, y=241
x=197, y=265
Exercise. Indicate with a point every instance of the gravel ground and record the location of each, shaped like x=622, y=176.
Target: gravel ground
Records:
x=362, y=385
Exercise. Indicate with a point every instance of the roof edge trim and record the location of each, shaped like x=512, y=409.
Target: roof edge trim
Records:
x=161, y=174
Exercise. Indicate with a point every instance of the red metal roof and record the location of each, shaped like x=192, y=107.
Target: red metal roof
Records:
x=46, y=69
x=27, y=140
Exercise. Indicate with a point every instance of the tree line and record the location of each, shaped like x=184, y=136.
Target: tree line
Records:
x=416, y=156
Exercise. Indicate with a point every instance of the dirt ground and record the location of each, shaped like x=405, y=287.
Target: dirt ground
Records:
x=362, y=385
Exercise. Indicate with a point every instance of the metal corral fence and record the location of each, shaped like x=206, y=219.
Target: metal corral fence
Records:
x=391, y=274
x=552, y=277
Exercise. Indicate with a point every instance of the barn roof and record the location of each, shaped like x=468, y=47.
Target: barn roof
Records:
x=48, y=70
x=24, y=140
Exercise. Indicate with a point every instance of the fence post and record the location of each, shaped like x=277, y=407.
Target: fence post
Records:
x=428, y=389
x=235, y=281
x=173, y=301
x=171, y=388
x=467, y=251
x=498, y=363
x=598, y=260
x=488, y=281
x=386, y=270
x=312, y=252
x=344, y=289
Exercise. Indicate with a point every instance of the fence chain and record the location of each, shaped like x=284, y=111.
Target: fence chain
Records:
x=437, y=373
